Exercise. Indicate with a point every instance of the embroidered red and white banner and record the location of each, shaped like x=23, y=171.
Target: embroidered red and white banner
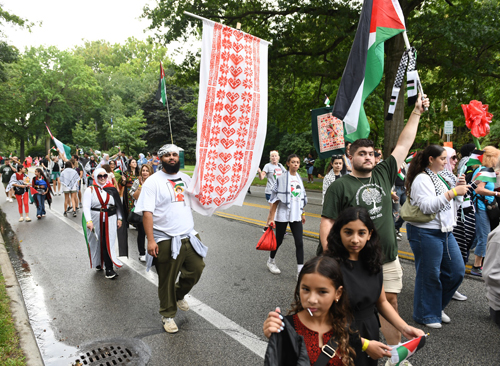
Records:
x=232, y=117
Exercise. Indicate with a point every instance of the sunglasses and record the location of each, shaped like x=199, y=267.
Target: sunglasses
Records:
x=336, y=157
x=454, y=157
x=100, y=176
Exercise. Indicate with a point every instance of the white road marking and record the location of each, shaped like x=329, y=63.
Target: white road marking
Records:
x=226, y=325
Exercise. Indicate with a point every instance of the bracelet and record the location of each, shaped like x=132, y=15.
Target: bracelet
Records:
x=303, y=213
x=89, y=222
x=365, y=345
x=454, y=192
x=418, y=114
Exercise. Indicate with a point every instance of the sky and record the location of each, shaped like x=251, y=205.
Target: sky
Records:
x=66, y=22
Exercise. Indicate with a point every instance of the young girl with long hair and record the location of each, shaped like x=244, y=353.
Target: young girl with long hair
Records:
x=42, y=186
x=354, y=243
x=320, y=311
x=288, y=199
x=439, y=265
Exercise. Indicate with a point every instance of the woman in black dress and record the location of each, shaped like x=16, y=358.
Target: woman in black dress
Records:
x=354, y=243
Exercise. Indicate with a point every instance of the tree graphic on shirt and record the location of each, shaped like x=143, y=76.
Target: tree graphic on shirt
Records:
x=370, y=196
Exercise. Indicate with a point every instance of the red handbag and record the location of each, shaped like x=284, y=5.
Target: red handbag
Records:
x=267, y=241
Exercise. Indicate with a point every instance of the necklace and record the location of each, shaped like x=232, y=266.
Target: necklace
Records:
x=363, y=185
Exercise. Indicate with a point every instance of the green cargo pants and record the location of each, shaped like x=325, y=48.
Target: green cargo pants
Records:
x=188, y=263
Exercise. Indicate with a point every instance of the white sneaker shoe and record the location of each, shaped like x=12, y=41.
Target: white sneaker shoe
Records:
x=434, y=325
x=142, y=258
x=183, y=305
x=445, y=318
x=273, y=268
x=169, y=325
x=402, y=363
x=458, y=296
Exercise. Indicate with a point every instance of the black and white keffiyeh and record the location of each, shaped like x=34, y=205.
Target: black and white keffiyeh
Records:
x=439, y=185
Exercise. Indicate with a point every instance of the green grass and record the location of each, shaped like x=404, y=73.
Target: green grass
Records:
x=10, y=350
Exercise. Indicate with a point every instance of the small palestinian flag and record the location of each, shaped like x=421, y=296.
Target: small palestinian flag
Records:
x=400, y=174
x=161, y=93
x=327, y=101
x=485, y=175
x=476, y=158
x=410, y=157
x=118, y=170
x=405, y=350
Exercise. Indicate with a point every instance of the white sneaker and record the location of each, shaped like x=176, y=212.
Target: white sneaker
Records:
x=445, y=318
x=402, y=363
x=142, y=258
x=169, y=325
x=273, y=268
x=458, y=296
x=183, y=305
x=434, y=325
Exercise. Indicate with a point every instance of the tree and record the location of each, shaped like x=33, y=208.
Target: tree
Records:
x=85, y=134
x=58, y=87
x=182, y=119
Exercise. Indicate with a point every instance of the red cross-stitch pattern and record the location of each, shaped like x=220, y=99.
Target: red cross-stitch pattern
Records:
x=230, y=117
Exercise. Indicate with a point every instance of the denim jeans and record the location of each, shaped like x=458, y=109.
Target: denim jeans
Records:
x=482, y=231
x=41, y=204
x=440, y=270
x=401, y=192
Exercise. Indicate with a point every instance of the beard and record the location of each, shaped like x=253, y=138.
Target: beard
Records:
x=361, y=168
x=171, y=169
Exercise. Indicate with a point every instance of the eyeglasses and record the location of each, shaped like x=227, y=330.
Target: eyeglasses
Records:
x=454, y=157
x=101, y=176
x=336, y=157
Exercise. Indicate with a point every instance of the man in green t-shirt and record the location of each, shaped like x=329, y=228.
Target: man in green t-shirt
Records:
x=369, y=186
x=7, y=170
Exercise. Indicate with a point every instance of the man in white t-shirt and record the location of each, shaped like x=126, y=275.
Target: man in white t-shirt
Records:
x=173, y=244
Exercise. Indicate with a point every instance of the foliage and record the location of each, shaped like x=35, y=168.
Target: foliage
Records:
x=10, y=349
x=182, y=120
x=85, y=135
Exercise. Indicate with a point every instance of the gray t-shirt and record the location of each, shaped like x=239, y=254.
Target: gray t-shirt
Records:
x=272, y=172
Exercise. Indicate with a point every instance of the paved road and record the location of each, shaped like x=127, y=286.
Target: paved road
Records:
x=72, y=306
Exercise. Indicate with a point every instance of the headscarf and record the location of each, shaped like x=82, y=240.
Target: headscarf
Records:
x=142, y=160
x=96, y=173
x=450, y=164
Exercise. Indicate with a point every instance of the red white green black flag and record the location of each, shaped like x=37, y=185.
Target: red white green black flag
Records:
x=161, y=93
x=476, y=158
x=380, y=20
x=405, y=350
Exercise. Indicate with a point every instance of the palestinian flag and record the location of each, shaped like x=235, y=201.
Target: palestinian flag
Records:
x=405, y=350
x=380, y=20
x=485, y=175
x=327, y=101
x=400, y=174
x=118, y=170
x=161, y=93
x=410, y=157
x=476, y=158
x=66, y=150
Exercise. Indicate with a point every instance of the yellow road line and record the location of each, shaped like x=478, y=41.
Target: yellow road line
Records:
x=310, y=234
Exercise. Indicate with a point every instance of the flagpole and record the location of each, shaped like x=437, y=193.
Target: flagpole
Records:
x=407, y=44
x=170, y=124
x=208, y=20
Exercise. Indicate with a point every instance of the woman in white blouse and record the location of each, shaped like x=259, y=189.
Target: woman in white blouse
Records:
x=439, y=265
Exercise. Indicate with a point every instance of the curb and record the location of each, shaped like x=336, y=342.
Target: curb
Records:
x=22, y=324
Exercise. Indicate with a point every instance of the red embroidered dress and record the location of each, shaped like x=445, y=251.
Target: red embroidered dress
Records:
x=312, y=344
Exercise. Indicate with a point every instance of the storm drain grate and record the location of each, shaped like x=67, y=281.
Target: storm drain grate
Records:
x=106, y=356
x=113, y=352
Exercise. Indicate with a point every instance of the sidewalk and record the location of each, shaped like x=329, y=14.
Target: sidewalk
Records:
x=19, y=313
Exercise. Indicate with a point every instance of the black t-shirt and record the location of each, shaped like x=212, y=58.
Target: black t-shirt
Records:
x=56, y=167
x=45, y=162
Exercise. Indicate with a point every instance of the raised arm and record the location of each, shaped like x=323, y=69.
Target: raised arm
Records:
x=408, y=134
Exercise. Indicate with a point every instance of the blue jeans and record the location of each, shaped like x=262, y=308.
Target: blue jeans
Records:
x=401, y=192
x=440, y=270
x=41, y=204
x=482, y=230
